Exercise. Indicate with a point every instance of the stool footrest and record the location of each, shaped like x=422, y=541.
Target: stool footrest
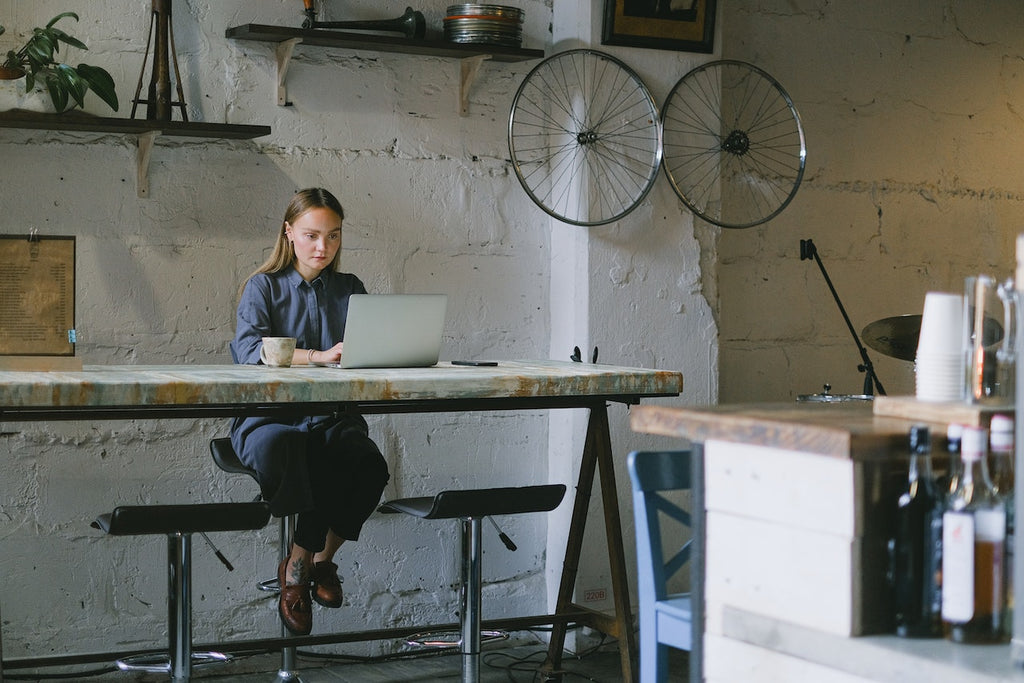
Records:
x=450, y=639
x=161, y=663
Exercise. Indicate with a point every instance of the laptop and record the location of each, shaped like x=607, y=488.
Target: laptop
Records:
x=393, y=331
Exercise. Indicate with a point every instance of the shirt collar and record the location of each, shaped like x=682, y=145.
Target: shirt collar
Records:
x=296, y=279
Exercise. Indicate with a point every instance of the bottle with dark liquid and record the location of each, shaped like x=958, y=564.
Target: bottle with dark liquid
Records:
x=974, y=551
x=917, y=547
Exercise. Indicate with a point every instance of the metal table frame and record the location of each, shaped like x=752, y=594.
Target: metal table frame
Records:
x=596, y=459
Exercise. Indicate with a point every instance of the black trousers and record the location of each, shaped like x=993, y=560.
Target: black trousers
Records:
x=328, y=470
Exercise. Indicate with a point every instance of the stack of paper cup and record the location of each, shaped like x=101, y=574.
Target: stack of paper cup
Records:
x=939, y=365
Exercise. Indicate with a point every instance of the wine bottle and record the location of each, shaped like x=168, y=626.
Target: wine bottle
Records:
x=917, y=547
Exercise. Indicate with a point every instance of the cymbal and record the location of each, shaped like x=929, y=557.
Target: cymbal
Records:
x=896, y=336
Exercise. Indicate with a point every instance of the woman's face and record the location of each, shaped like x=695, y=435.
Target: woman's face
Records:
x=316, y=238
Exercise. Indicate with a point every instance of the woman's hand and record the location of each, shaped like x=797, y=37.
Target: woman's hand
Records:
x=331, y=355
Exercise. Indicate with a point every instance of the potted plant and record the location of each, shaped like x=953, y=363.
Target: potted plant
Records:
x=36, y=62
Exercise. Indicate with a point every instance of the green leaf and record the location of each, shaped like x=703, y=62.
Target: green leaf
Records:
x=60, y=16
x=58, y=95
x=101, y=83
x=65, y=38
x=72, y=83
x=39, y=49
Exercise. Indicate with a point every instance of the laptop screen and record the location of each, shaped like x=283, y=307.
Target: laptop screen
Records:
x=393, y=330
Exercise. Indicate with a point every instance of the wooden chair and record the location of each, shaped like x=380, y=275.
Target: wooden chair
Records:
x=666, y=619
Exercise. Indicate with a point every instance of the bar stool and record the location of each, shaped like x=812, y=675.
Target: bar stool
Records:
x=225, y=457
x=178, y=523
x=472, y=506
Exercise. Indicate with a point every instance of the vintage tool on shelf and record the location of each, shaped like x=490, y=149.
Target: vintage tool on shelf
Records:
x=809, y=251
x=159, y=101
x=895, y=337
x=411, y=24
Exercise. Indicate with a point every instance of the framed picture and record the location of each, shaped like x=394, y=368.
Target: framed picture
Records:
x=687, y=25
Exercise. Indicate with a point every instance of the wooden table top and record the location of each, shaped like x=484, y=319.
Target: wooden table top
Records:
x=213, y=385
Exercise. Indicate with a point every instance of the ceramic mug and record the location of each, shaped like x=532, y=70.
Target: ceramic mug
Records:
x=277, y=351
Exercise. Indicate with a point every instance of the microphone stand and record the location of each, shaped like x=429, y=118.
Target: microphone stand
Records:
x=808, y=251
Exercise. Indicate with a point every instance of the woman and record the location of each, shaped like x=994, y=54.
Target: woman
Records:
x=325, y=468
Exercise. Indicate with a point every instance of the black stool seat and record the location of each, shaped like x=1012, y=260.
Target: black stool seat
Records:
x=135, y=520
x=471, y=506
x=480, y=502
x=226, y=458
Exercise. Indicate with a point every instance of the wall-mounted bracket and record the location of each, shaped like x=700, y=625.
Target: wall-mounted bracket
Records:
x=283, y=54
x=469, y=66
x=145, y=150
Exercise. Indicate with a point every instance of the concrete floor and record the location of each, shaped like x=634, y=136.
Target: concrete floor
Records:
x=515, y=664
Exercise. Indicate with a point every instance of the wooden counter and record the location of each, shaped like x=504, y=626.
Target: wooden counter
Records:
x=844, y=430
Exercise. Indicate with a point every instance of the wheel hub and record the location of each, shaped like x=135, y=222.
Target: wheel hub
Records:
x=586, y=137
x=736, y=143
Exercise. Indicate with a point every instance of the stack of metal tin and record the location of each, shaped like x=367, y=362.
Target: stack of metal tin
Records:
x=488, y=24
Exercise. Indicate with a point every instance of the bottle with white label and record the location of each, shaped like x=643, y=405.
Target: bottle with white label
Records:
x=974, y=577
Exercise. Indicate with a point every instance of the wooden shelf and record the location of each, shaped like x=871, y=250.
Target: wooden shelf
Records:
x=146, y=130
x=79, y=121
x=365, y=41
x=286, y=38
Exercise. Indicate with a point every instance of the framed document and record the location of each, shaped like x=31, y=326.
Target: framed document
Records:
x=37, y=297
x=660, y=24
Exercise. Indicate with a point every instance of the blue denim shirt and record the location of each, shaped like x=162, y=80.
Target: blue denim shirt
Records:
x=285, y=305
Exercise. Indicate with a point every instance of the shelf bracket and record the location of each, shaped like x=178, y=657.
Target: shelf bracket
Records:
x=146, y=141
x=469, y=67
x=284, y=58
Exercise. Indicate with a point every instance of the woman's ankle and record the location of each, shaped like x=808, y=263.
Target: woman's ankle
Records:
x=300, y=566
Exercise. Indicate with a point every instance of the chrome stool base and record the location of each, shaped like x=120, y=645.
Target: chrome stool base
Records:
x=450, y=639
x=161, y=663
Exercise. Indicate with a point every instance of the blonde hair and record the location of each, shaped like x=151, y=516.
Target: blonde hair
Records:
x=283, y=255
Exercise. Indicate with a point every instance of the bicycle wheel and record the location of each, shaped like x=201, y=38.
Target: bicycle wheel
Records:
x=733, y=144
x=585, y=137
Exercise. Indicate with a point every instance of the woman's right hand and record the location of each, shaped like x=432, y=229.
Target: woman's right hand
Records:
x=331, y=355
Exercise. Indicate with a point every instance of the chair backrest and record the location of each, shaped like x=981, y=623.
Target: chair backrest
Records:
x=651, y=473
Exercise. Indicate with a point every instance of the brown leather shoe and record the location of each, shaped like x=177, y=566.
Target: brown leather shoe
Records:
x=293, y=606
x=326, y=584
